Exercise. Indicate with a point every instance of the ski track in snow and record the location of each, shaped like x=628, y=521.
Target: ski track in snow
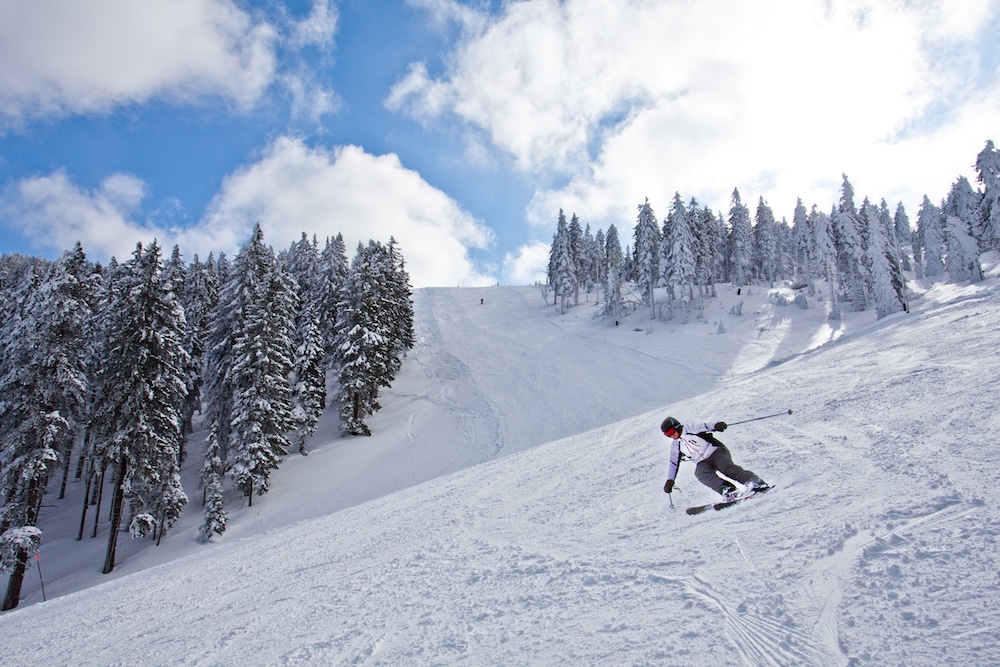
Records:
x=466, y=540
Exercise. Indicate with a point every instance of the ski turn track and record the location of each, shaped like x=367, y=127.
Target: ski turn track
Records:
x=759, y=639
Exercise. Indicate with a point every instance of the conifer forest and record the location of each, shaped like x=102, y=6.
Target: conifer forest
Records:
x=105, y=368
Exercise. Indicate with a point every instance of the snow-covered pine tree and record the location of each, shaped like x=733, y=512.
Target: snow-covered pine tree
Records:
x=175, y=277
x=587, y=278
x=647, y=254
x=201, y=297
x=852, y=248
x=740, y=242
x=826, y=256
x=141, y=389
x=74, y=284
x=400, y=294
x=962, y=260
x=903, y=236
x=263, y=360
x=222, y=269
x=563, y=268
x=242, y=287
x=678, y=257
x=363, y=345
x=333, y=267
x=786, y=251
x=708, y=250
x=892, y=254
x=966, y=204
x=210, y=479
x=724, y=258
x=614, y=304
x=930, y=236
x=175, y=274
x=302, y=262
x=804, y=244
x=882, y=290
x=576, y=249
x=599, y=262
x=308, y=378
x=629, y=273
x=765, y=244
x=988, y=170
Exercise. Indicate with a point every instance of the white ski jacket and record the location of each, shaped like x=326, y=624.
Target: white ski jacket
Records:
x=690, y=445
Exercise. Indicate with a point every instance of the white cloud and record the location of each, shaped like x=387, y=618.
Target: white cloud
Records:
x=319, y=27
x=444, y=13
x=528, y=265
x=293, y=188
x=422, y=97
x=608, y=103
x=290, y=189
x=53, y=212
x=310, y=99
x=60, y=58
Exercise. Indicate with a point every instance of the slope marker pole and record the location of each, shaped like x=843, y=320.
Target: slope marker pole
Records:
x=39, y=564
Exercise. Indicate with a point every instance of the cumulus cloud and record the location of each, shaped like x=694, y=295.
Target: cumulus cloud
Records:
x=608, y=103
x=527, y=266
x=293, y=188
x=59, y=58
x=54, y=212
x=290, y=189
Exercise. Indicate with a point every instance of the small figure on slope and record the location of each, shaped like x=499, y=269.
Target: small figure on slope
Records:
x=714, y=465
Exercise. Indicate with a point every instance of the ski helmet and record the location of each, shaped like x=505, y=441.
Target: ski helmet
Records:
x=670, y=424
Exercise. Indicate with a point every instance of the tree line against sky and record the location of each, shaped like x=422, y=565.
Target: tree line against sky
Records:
x=860, y=252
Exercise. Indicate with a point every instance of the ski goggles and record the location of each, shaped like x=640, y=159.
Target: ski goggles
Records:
x=671, y=432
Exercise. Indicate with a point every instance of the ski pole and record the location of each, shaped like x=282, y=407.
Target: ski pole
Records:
x=777, y=414
x=39, y=564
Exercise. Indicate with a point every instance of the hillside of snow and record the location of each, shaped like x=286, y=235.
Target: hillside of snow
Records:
x=509, y=511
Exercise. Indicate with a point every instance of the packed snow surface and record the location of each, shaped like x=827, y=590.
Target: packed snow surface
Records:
x=509, y=508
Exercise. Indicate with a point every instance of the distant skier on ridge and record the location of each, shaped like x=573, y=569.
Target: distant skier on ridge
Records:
x=714, y=464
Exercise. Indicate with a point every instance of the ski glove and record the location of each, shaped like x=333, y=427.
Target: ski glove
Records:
x=669, y=486
x=721, y=426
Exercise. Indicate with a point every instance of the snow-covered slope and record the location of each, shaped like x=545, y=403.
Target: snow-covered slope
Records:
x=877, y=546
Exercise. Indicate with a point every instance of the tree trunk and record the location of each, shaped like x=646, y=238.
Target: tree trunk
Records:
x=86, y=503
x=13, y=597
x=161, y=527
x=65, y=476
x=100, y=499
x=81, y=462
x=116, y=516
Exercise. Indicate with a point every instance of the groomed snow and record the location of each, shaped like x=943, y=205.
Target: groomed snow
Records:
x=509, y=511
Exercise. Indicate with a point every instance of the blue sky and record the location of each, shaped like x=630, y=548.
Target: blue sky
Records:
x=463, y=128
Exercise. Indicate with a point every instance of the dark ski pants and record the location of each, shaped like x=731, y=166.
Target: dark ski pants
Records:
x=721, y=463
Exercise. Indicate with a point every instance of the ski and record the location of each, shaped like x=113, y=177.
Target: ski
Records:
x=698, y=509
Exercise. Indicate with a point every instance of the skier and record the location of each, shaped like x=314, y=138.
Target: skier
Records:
x=714, y=464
